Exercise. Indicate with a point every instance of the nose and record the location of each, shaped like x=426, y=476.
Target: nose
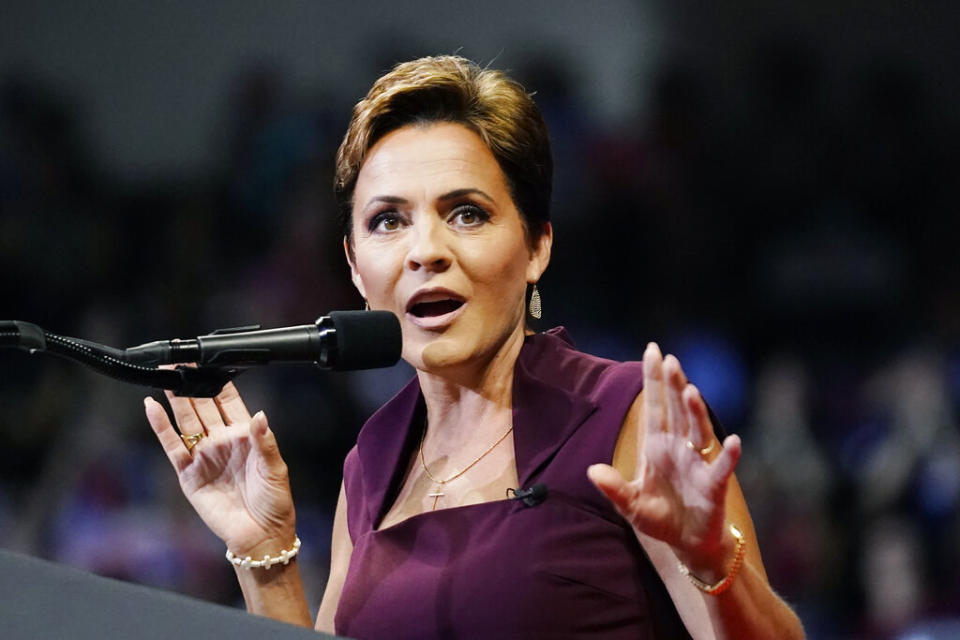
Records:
x=428, y=248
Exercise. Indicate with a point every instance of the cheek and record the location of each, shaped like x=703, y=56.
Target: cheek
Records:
x=376, y=272
x=502, y=270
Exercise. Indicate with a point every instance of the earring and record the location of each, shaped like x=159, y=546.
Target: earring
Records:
x=536, y=308
x=366, y=305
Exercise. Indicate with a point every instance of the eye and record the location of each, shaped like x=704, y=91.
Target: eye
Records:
x=468, y=215
x=384, y=222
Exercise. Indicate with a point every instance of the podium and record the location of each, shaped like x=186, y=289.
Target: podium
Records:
x=40, y=599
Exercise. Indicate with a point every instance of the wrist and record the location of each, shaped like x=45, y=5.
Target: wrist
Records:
x=713, y=572
x=270, y=545
x=268, y=561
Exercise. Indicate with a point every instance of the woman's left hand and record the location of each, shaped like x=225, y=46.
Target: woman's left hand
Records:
x=679, y=490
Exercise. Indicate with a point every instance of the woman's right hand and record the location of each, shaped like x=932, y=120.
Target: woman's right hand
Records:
x=234, y=476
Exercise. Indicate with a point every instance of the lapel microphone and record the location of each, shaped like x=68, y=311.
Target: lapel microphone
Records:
x=531, y=496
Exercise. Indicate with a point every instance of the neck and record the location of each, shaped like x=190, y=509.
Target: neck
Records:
x=469, y=406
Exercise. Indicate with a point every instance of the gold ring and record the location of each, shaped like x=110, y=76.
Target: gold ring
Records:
x=703, y=452
x=191, y=440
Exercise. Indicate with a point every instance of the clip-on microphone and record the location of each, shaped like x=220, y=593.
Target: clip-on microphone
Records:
x=531, y=496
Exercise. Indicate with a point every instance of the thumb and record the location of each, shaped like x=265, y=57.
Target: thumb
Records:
x=265, y=441
x=613, y=485
x=636, y=509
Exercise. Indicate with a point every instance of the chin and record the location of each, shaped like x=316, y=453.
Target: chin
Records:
x=464, y=344
x=437, y=355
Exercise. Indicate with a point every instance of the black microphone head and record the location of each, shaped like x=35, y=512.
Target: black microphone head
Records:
x=365, y=339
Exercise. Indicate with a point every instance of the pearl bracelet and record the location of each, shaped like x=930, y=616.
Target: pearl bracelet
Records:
x=247, y=563
x=724, y=584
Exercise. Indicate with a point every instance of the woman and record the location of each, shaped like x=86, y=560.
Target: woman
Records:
x=443, y=180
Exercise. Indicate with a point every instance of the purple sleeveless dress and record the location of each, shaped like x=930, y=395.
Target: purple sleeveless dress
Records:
x=568, y=567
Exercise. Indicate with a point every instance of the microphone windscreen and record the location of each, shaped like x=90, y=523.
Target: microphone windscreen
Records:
x=366, y=339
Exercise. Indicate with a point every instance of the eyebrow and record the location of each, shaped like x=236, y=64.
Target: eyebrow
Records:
x=459, y=193
x=450, y=195
x=387, y=199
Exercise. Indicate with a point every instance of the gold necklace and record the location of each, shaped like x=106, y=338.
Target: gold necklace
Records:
x=436, y=495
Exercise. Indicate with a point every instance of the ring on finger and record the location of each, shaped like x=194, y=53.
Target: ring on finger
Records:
x=703, y=452
x=190, y=441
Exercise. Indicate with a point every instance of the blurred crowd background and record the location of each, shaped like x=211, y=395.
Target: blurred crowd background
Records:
x=767, y=191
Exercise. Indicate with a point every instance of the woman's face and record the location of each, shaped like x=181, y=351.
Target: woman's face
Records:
x=438, y=240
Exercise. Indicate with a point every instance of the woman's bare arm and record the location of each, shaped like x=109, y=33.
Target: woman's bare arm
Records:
x=236, y=480
x=275, y=593
x=665, y=520
x=341, y=548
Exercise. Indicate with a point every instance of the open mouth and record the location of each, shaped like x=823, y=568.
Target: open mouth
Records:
x=435, y=308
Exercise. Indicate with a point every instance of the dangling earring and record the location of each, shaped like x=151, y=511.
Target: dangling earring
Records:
x=366, y=305
x=536, y=308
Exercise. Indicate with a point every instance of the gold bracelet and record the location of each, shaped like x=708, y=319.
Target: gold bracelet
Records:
x=724, y=584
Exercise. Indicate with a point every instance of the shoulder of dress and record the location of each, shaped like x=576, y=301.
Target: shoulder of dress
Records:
x=553, y=359
x=352, y=474
x=350, y=461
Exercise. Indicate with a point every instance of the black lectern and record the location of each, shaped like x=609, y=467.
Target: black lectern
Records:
x=40, y=599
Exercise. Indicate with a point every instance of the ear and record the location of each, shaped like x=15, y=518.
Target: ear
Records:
x=540, y=254
x=354, y=274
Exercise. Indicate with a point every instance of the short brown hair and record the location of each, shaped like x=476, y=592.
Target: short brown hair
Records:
x=454, y=89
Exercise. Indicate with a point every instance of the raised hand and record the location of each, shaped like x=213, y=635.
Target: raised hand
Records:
x=233, y=474
x=679, y=491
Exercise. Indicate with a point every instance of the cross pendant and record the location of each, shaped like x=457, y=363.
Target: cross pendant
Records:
x=436, y=495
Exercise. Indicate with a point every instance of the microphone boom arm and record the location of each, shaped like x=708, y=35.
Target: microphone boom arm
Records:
x=341, y=341
x=199, y=382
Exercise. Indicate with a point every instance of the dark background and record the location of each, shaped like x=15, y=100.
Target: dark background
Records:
x=766, y=189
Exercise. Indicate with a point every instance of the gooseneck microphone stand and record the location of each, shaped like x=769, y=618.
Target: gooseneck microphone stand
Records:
x=342, y=341
x=200, y=382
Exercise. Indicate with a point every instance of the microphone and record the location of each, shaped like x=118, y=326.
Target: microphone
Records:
x=342, y=341
x=531, y=496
